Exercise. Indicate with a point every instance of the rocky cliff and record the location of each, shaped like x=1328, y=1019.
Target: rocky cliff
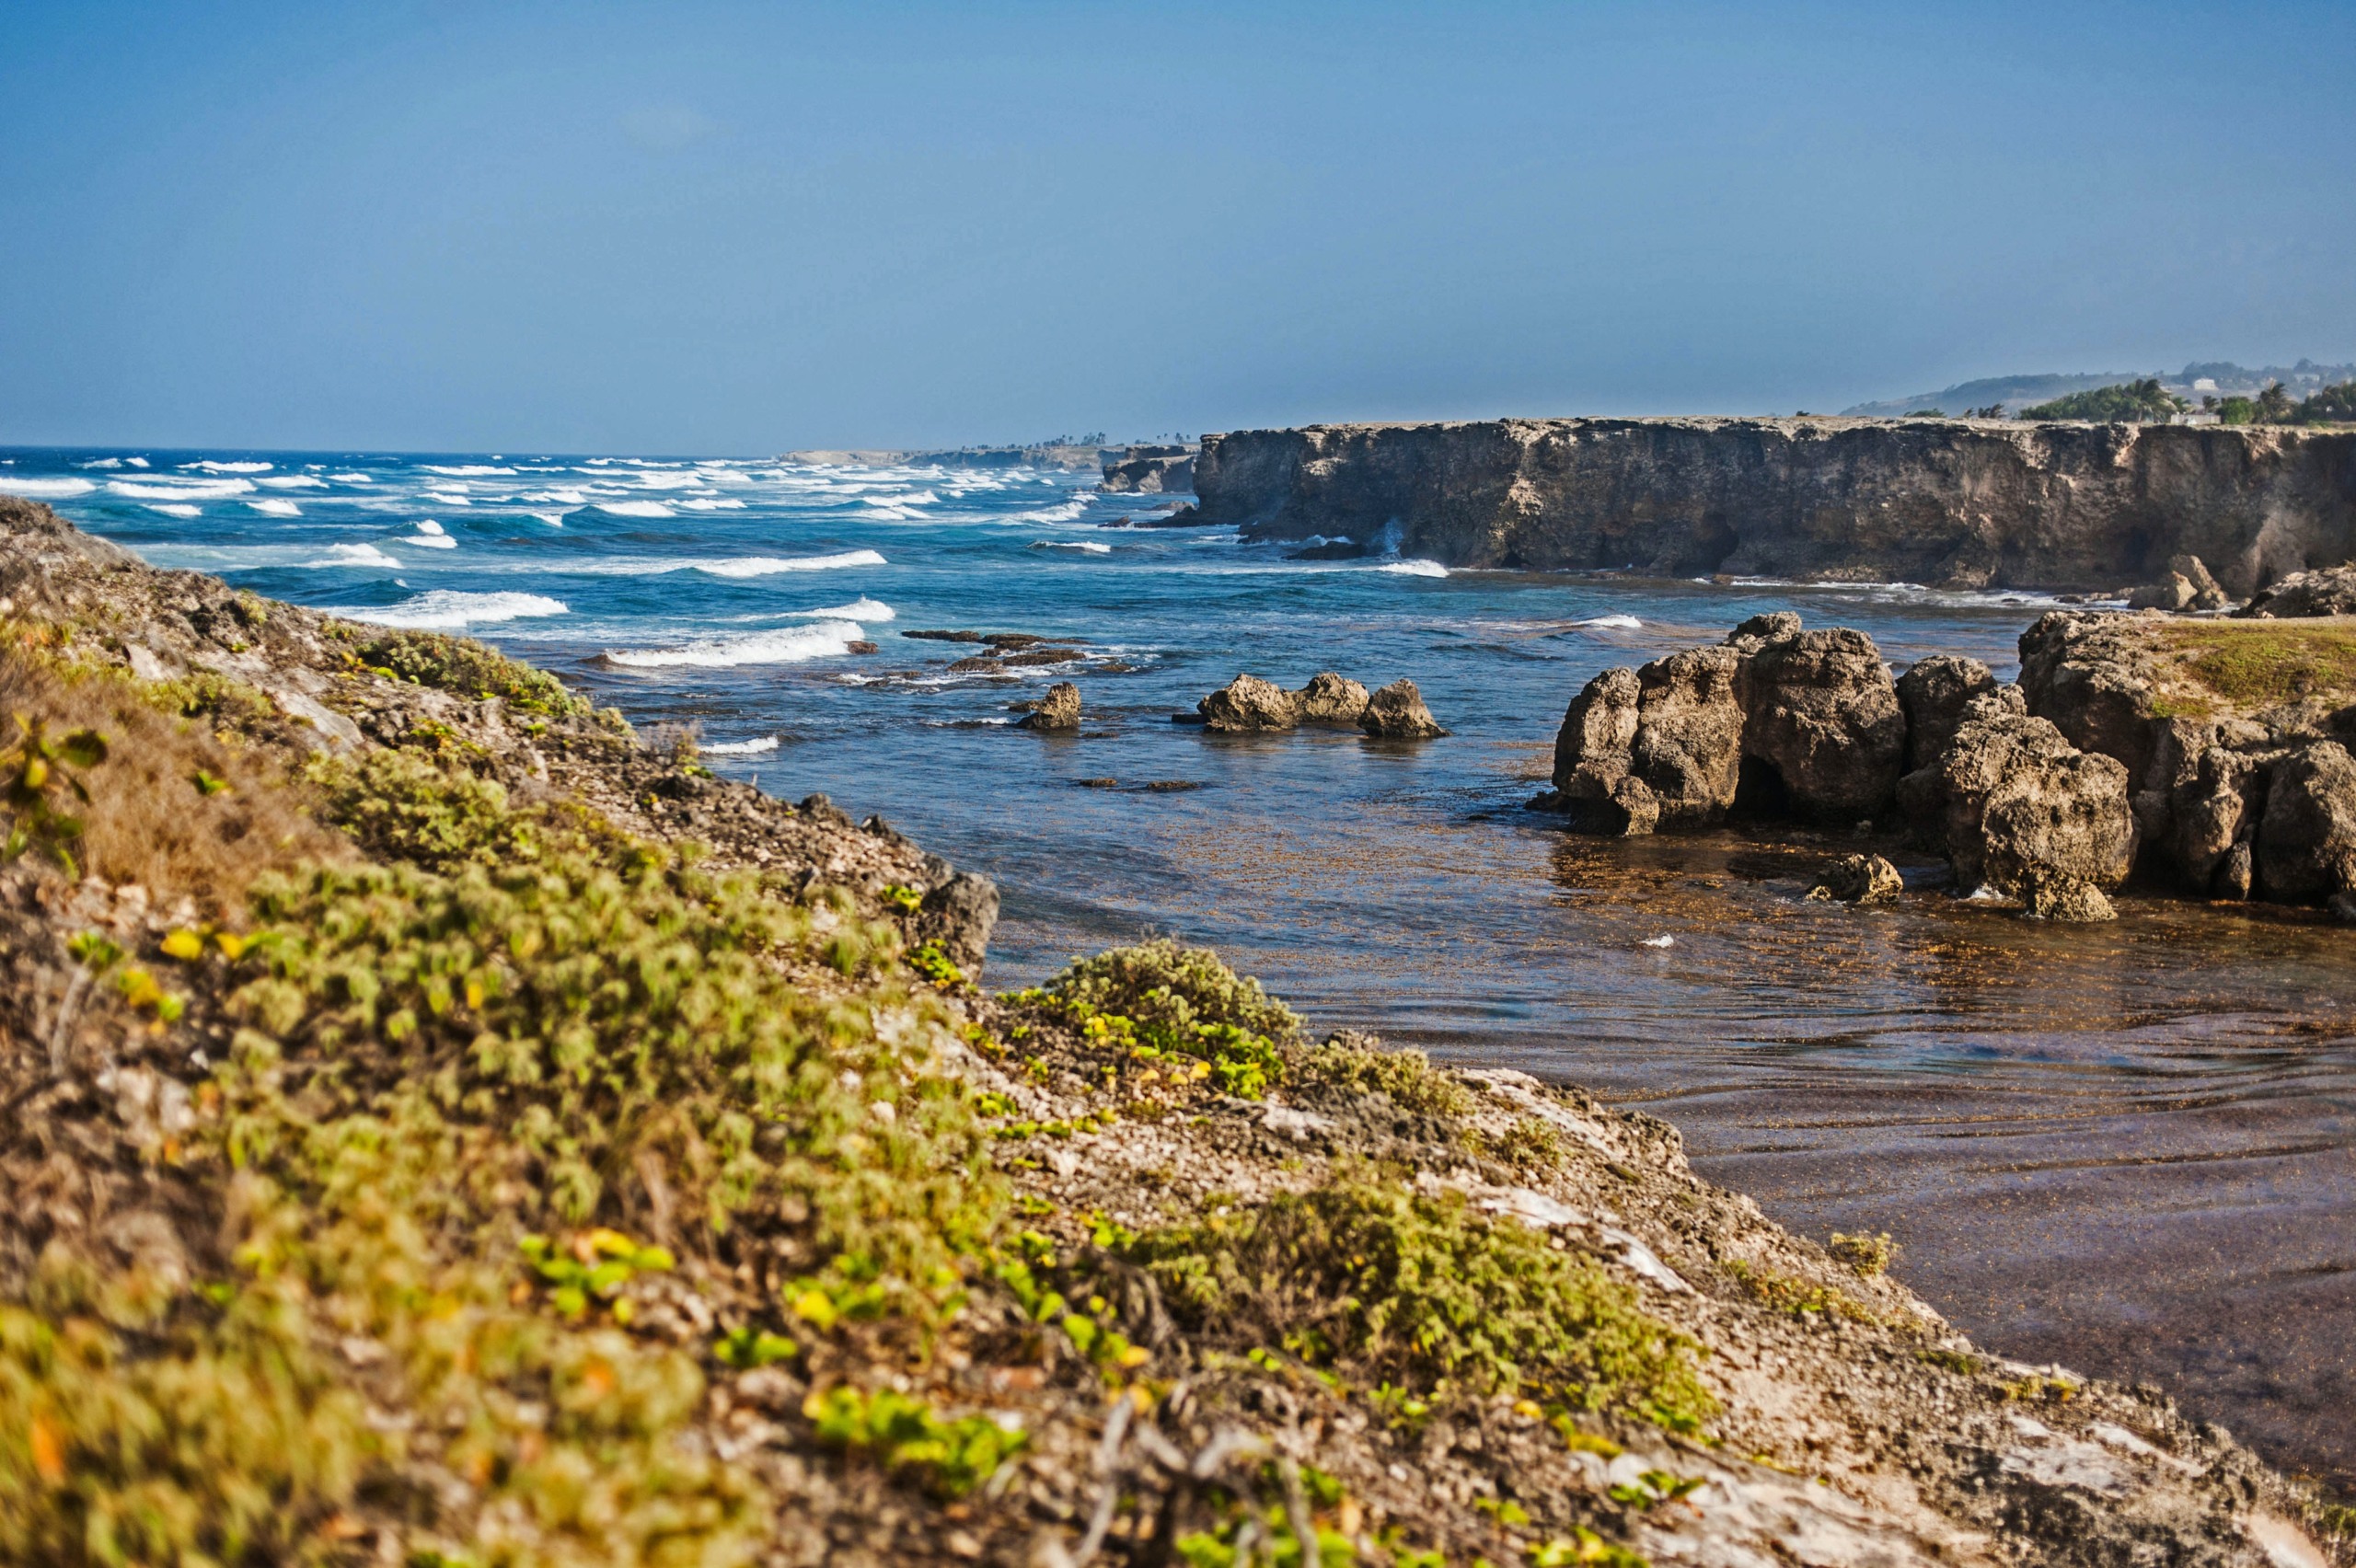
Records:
x=1966, y=503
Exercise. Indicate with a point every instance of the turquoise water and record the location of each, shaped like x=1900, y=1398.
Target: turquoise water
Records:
x=2125, y=1148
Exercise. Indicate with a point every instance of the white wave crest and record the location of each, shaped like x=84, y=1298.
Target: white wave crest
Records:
x=636, y=509
x=102, y=463
x=1091, y=546
x=449, y=497
x=448, y=609
x=553, y=519
x=712, y=504
x=1415, y=568
x=136, y=462
x=293, y=481
x=559, y=497
x=1617, y=623
x=740, y=748
x=176, y=509
x=354, y=478
x=210, y=466
x=787, y=645
x=44, y=490
x=274, y=507
x=465, y=471
x=430, y=536
x=355, y=555
x=858, y=609
x=187, y=489
x=1064, y=513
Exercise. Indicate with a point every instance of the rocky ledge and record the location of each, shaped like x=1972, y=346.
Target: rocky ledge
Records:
x=2211, y=753
x=1954, y=502
x=444, y=1128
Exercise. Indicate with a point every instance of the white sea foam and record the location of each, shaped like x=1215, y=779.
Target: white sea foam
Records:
x=740, y=748
x=858, y=609
x=293, y=481
x=430, y=536
x=465, y=471
x=102, y=463
x=770, y=566
x=1091, y=546
x=448, y=609
x=553, y=519
x=712, y=504
x=449, y=497
x=1618, y=623
x=355, y=555
x=185, y=489
x=667, y=478
x=1064, y=513
x=210, y=466
x=636, y=509
x=136, y=462
x=787, y=645
x=274, y=507
x=1660, y=941
x=354, y=478
x=559, y=496
x=1415, y=568
x=45, y=489
x=176, y=509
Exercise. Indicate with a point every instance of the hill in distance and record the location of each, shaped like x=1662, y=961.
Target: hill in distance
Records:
x=2200, y=378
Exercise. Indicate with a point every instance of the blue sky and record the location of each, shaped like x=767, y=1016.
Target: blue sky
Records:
x=463, y=225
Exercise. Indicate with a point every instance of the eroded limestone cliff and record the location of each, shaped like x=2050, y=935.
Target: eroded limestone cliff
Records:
x=1968, y=504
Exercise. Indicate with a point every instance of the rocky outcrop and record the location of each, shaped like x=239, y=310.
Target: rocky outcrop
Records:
x=1149, y=470
x=1859, y=879
x=1397, y=713
x=1933, y=694
x=1060, y=709
x=1777, y=720
x=1330, y=698
x=2330, y=592
x=1248, y=703
x=1948, y=502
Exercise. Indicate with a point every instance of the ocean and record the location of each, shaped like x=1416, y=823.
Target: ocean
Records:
x=2126, y=1149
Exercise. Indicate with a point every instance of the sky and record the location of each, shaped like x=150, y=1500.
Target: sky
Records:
x=587, y=226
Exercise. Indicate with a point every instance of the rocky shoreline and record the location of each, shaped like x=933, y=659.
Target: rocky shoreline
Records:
x=446, y=1127
x=1970, y=503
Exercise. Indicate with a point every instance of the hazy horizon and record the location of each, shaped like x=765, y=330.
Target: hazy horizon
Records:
x=735, y=228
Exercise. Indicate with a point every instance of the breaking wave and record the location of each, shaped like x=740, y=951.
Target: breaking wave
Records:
x=449, y=609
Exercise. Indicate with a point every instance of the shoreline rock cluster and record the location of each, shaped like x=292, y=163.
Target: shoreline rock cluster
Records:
x=2211, y=756
x=1249, y=705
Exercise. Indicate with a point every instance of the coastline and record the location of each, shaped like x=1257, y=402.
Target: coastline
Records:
x=1839, y=1408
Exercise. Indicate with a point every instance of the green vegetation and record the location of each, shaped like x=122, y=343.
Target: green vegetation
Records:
x=902, y=1432
x=465, y=666
x=2259, y=664
x=1802, y=1298
x=2131, y=402
x=1408, y=1077
x=2330, y=405
x=1382, y=1284
x=1160, y=1000
x=1867, y=1253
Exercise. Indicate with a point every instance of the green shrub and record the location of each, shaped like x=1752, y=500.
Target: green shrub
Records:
x=1385, y=1285
x=2133, y=402
x=465, y=666
x=1170, y=990
x=1364, y=1067
x=1867, y=1253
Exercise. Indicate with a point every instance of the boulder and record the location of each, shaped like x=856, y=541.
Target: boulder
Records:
x=1248, y=703
x=2017, y=808
x=2171, y=592
x=1591, y=749
x=2306, y=839
x=1060, y=709
x=1329, y=698
x=1397, y=713
x=1823, y=728
x=1932, y=694
x=2330, y=592
x=1688, y=744
x=1858, y=878
x=2208, y=593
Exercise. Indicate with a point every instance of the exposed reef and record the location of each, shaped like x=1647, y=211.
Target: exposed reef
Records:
x=1953, y=502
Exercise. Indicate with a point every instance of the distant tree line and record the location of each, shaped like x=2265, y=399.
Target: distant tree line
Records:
x=2147, y=402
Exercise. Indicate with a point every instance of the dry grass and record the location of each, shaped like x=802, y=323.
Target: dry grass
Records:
x=170, y=806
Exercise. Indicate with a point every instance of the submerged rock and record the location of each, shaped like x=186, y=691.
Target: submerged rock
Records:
x=1248, y=703
x=1859, y=879
x=1060, y=709
x=1330, y=698
x=1397, y=713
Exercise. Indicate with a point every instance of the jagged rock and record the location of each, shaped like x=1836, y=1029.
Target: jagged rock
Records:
x=2330, y=592
x=2017, y=808
x=1591, y=749
x=960, y=914
x=2306, y=840
x=1330, y=698
x=1060, y=709
x=1760, y=631
x=1687, y=746
x=1248, y=703
x=2207, y=593
x=1859, y=879
x=1824, y=717
x=1932, y=694
x=2172, y=592
x=1397, y=713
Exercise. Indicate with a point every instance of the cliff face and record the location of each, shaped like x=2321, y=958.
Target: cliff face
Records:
x=1963, y=503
